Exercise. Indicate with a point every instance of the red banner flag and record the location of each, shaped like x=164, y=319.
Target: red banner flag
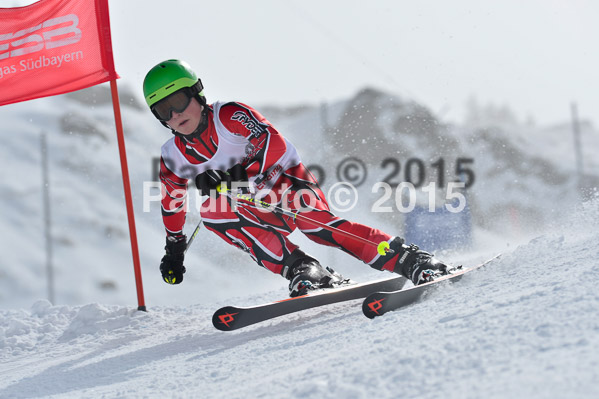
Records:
x=54, y=47
x=57, y=46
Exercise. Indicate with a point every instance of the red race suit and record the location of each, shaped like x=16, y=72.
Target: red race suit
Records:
x=238, y=134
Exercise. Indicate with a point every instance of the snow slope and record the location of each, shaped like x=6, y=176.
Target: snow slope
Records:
x=523, y=327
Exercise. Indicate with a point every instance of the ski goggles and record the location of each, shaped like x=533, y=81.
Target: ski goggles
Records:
x=177, y=102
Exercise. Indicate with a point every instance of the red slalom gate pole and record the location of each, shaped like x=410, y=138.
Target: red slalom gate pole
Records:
x=128, y=200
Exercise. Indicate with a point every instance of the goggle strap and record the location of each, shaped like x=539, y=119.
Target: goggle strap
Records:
x=197, y=87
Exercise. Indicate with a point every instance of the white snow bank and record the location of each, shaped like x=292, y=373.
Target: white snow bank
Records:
x=524, y=326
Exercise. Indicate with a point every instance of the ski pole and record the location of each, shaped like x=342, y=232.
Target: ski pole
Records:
x=382, y=247
x=193, y=235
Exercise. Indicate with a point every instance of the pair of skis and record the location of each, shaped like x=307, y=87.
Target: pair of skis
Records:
x=380, y=296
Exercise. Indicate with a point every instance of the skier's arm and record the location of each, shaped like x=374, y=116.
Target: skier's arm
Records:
x=174, y=200
x=268, y=144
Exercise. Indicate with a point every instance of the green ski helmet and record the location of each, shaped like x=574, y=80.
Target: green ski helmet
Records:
x=168, y=77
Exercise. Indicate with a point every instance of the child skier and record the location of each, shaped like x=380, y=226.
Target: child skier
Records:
x=233, y=143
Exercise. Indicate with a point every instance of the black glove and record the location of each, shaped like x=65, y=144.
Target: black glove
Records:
x=237, y=173
x=171, y=265
x=210, y=179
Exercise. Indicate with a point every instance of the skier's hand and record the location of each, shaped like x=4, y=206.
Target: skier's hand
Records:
x=171, y=265
x=208, y=181
x=237, y=173
x=237, y=178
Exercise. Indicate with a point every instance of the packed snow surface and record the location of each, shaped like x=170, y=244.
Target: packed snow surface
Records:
x=525, y=326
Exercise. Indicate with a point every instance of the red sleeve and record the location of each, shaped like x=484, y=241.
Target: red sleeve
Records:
x=269, y=144
x=174, y=200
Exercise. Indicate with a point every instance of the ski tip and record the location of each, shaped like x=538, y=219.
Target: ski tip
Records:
x=225, y=318
x=373, y=305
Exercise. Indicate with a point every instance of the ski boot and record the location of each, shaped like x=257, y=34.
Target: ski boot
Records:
x=415, y=264
x=306, y=274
